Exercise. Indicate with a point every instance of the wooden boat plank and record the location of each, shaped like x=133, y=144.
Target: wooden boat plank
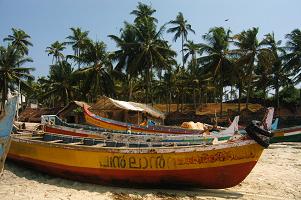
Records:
x=75, y=143
x=55, y=141
x=36, y=137
x=99, y=145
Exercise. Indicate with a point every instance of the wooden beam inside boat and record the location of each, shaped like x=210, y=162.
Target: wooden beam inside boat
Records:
x=99, y=145
x=36, y=137
x=55, y=141
x=76, y=143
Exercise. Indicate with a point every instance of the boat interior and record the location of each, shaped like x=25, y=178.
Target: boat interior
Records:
x=76, y=140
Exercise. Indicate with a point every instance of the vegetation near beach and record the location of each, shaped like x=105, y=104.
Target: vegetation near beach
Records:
x=221, y=66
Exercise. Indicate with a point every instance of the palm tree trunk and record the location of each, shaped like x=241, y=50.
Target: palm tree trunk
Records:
x=67, y=96
x=150, y=78
x=221, y=90
x=221, y=99
x=147, y=86
x=78, y=52
x=166, y=103
x=248, y=94
x=178, y=101
x=249, y=82
x=200, y=99
x=277, y=92
x=182, y=99
x=130, y=89
x=151, y=89
x=194, y=98
x=169, y=103
x=182, y=50
x=239, y=95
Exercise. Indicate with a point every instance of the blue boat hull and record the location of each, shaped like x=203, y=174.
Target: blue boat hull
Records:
x=6, y=124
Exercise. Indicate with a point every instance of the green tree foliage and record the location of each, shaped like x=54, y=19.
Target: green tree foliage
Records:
x=12, y=71
x=77, y=40
x=143, y=67
x=20, y=40
x=55, y=49
x=289, y=95
x=215, y=58
x=95, y=74
x=180, y=29
x=142, y=49
x=61, y=83
x=293, y=56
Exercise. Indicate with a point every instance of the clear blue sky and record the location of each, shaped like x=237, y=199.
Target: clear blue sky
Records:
x=48, y=21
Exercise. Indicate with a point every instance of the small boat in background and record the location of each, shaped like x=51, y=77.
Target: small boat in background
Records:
x=292, y=134
x=110, y=124
x=220, y=165
x=6, y=123
x=53, y=124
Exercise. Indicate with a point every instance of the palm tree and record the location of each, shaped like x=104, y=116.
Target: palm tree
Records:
x=280, y=72
x=263, y=71
x=195, y=73
x=169, y=80
x=78, y=40
x=239, y=79
x=11, y=71
x=249, y=50
x=293, y=56
x=20, y=40
x=96, y=74
x=192, y=49
x=125, y=54
x=42, y=87
x=151, y=53
x=142, y=49
x=144, y=12
x=55, y=50
x=61, y=83
x=215, y=59
x=181, y=30
x=181, y=82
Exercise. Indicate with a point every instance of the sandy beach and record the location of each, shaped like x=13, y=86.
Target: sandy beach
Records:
x=277, y=175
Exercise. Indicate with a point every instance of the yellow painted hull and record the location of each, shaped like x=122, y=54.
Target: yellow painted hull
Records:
x=218, y=166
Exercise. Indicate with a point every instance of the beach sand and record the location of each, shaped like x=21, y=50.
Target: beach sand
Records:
x=277, y=175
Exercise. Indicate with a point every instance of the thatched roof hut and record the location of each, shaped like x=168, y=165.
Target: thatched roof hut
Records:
x=126, y=111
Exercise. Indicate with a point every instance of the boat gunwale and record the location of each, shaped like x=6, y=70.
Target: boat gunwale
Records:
x=134, y=134
x=137, y=150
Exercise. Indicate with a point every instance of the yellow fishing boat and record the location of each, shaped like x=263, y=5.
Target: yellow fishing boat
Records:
x=86, y=159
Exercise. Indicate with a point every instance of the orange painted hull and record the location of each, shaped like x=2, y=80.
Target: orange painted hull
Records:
x=215, y=177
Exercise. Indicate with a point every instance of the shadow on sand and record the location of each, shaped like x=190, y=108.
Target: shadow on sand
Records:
x=121, y=193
